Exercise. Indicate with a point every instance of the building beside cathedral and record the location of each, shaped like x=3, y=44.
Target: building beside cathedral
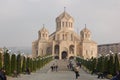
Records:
x=105, y=49
x=64, y=42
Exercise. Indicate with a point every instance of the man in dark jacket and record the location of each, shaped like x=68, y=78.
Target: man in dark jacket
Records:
x=117, y=77
x=2, y=74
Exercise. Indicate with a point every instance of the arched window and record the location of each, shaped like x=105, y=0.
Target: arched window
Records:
x=48, y=50
x=63, y=24
x=85, y=35
x=59, y=24
x=71, y=48
x=63, y=36
x=56, y=49
x=71, y=37
x=71, y=25
x=58, y=37
x=86, y=53
x=66, y=24
x=43, y=35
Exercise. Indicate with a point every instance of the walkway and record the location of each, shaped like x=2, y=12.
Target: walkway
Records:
x=62, y=74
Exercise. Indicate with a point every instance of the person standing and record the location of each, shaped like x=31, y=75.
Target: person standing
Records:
x=117, y=77
x=2, y=75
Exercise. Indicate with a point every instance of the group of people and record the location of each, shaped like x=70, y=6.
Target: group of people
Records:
x=105, y=73
x=54, y=67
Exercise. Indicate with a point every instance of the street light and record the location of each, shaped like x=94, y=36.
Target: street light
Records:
x=9, y=51
x=99, y=55
x=111, y=52
x=107, y=55
x=119, y=53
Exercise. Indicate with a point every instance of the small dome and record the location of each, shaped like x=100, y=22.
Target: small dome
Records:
x=85, y=30
x=43, y=29
x=64, y=15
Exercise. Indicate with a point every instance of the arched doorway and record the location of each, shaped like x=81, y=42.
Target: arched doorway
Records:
x=71, y=57
x=56, y=49
x=56, y=57
x=71, y=48
x=64, y=55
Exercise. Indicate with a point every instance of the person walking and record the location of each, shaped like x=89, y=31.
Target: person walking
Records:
x=52, y=67
x=56, y=67
x=76, y=70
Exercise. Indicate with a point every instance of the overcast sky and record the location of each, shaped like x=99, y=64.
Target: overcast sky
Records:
x=20, y=20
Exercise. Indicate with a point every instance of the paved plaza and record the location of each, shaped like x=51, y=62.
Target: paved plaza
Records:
x=62, y=74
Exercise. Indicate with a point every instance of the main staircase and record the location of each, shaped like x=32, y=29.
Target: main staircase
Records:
x=62, y=65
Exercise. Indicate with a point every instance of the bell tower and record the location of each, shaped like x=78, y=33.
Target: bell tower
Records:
x=85, y=34
x=43, y=34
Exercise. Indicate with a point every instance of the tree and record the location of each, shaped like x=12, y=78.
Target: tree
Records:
x=1, y=60
x=13, y=63
x=110, y=65
x=19, y=63
x=102, y=63
x=7, y=66
x=24, y=64
x=98, y=64
x=28, y=62
x=34, y=64
x=31, y=65
x=106, y=67
x=116, y=64
x=93, y=64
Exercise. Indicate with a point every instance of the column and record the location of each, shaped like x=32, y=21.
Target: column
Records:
x=60, y=51
x=53, y=54
x=75, y=50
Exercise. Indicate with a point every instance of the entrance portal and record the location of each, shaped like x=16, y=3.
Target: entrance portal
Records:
x=64, y=55
x=56, y=57
x=71, y=57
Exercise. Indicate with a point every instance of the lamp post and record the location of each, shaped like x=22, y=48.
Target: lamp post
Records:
x=111, y=52
x=119, y=55
x=99, y=55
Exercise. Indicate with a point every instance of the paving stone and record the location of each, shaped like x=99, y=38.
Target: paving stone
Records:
x=62, y=74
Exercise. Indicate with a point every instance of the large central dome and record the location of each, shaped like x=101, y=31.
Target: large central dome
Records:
x=64, y=21
x=64, y=15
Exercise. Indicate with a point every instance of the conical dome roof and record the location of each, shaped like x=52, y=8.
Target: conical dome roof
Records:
x=64, y=15
x=85, y=30
x=43, y=29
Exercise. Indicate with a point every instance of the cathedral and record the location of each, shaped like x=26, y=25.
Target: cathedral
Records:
x=64, y=43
